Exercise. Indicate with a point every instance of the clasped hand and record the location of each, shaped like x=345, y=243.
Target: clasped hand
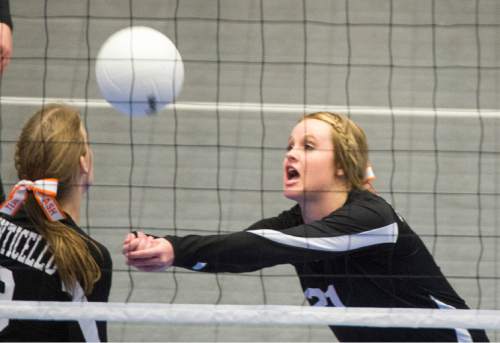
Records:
x=147, y=253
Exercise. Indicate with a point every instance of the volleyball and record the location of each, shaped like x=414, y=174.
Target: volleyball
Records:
x=139, y=71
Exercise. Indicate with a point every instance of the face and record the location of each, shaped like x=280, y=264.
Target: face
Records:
x=308, y=167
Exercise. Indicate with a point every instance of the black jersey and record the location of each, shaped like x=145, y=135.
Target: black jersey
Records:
x=28, y=272
x=361, y=255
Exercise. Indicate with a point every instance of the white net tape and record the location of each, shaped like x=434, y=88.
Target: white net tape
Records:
x=274, y=108
x=251, y=314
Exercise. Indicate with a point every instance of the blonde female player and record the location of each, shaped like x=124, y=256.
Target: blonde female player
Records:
x=348, y=245
x=44, y=255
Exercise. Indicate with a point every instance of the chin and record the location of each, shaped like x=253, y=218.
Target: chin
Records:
x=293, y=194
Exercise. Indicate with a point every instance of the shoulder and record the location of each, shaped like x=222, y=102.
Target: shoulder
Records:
x=291, y=217
x=18, y=226
x=100, y=253
x=367, y=199
x=19, y=220
x=365, y=209
x=97, y=249
x=103, y=259
x=286, y=219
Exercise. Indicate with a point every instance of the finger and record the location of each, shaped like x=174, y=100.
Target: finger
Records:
x=132, y=245
x=128, y=238
x=148, y=265
x=142, y=262
x=143, y=244
x=5, y=58
x=149, y=262
x=128, y=245
x=138, y=241
x=144, y=253
x=141, y=234
x=137, y=263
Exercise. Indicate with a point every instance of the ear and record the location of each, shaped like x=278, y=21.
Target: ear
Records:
x=84, y=165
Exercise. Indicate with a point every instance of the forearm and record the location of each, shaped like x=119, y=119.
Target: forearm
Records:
x=224, y=253
x=234, y=253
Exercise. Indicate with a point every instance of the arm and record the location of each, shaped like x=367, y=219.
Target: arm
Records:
x=237, y=252
x=345, y=231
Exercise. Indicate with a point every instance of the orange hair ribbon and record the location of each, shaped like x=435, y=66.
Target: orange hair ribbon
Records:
x=44, y=190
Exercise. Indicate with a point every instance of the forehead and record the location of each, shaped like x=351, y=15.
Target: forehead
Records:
x=314, y=128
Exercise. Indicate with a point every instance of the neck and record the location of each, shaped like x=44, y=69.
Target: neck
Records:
x=316, y=208
x=71, y=204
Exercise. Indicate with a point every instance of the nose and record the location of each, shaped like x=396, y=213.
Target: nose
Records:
x=291, y=155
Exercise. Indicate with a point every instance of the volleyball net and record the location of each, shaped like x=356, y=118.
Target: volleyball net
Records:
x=251, y=314
x=421, y=78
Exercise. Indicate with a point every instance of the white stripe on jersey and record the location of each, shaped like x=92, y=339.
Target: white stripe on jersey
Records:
x=385, y=234
x=463, y=335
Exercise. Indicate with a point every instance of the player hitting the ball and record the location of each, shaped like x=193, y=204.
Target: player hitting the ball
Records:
x=348, y=245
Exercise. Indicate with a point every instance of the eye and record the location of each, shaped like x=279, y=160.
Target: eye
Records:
x=309, y=146
x=289, y=147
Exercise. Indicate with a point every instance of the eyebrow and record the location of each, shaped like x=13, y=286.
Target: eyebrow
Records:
x=309, y=136
x=306, y=137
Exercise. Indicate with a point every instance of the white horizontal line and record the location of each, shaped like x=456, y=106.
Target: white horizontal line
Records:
x=273, y=108
x=251, y=314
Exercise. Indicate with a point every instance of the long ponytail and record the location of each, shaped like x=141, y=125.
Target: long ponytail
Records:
x=50, y=146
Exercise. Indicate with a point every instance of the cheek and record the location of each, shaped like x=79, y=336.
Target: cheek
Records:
x=320, y=172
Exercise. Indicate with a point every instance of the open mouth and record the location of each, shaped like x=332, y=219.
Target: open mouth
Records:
x=292, y=173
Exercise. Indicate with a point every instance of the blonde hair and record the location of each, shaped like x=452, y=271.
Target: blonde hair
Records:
x=349, y=144
x=50, y=146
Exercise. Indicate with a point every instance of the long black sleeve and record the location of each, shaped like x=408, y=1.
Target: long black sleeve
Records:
x=235, y=253
x=271, y=241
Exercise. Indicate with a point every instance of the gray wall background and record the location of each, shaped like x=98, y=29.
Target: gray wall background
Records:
x=221, y=170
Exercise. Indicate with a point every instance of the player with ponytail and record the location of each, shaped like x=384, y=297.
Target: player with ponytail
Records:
x=47, y=256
